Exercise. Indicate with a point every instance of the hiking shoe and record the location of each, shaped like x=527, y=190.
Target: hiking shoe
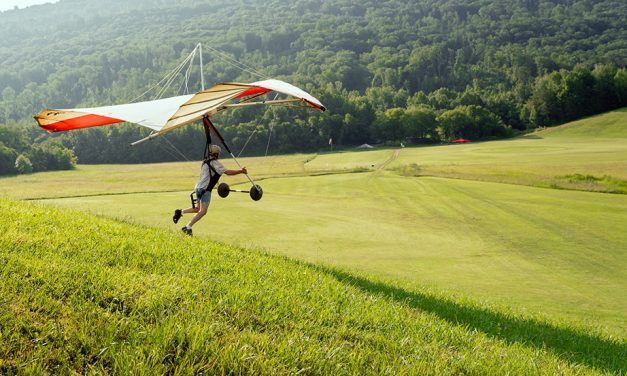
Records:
x=178, y=213
x=187, y=231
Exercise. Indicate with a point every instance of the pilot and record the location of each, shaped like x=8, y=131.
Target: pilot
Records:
x=210, y=172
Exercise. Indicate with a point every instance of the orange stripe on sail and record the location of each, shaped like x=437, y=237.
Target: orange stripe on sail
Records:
x=254, y=90
x=78, y=122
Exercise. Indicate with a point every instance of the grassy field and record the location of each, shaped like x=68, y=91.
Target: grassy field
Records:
x=558, y=252
x=469, y=233
x=589, y=154
x=92, y=295
x=95, y=180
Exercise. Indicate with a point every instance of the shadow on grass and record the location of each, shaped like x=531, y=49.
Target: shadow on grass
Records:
x=569, y=344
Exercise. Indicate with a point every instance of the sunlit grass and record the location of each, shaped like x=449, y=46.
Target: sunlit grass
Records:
x=89, y=180
x=91, y=295
x=594, y=146
x=486, y=240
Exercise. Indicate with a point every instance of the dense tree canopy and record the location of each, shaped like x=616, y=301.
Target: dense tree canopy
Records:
x=387, y=70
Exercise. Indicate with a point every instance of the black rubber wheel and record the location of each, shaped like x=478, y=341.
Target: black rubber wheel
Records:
x=256, y=192
x=223, y=190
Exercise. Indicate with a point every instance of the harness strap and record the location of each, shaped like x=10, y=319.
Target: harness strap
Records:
x=213, y=178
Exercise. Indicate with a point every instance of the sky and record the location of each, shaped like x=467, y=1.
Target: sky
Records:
x=9, y=4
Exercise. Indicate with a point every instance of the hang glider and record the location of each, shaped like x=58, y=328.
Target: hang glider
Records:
x=164, y=115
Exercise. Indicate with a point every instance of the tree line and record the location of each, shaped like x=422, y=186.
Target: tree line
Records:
x=389, y=71
x=20, y=155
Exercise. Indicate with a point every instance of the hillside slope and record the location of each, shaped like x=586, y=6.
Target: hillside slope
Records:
x=612, y=124
x=87, y=294
x=589, y=154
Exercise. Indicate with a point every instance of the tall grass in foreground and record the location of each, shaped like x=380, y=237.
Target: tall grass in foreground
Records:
x=90, y=295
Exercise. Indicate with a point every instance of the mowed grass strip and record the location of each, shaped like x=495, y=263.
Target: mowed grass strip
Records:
x=90, y=295
x=94, y=180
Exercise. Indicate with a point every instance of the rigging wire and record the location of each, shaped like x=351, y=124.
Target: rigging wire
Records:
x=169, y=75
x=176, y=72
x=247, y=141
x=185, y=83
x=187, y=75
x=168, y=151
x=237, y=64
x=255, y=130
x=268, y=145
x=177, y=150
x=168, y=83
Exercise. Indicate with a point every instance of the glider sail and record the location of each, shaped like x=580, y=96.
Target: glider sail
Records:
x=164, y=115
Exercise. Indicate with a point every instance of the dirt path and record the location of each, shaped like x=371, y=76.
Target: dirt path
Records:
x=392, y=158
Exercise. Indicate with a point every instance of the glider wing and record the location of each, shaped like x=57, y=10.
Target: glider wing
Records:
x=164, y=115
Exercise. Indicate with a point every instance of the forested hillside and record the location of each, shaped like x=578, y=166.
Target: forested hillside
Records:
x=387, y=70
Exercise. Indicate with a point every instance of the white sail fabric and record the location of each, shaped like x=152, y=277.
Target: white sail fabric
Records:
x=152, y=114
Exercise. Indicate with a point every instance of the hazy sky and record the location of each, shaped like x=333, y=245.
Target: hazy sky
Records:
x=9, y=4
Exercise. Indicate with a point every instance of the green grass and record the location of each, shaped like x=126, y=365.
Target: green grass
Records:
x=92, y=295
x=595, y=146
x=558, y=252
x=609, y=125
x=95, y=180
x=540, y=162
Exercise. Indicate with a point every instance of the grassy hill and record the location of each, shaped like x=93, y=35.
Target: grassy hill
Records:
x=608, y=125
x=589, y=154
x=92, y=295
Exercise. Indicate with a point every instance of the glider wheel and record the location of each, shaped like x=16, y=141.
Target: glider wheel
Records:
x=223, y=190
x=256, y=192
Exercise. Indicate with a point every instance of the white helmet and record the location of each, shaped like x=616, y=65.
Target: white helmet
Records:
x=214, y=150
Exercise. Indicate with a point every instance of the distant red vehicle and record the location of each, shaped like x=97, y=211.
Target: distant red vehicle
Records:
x=460, y=141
